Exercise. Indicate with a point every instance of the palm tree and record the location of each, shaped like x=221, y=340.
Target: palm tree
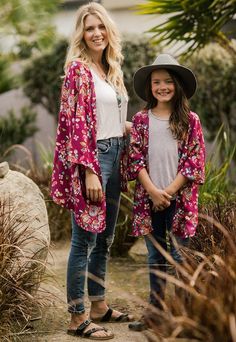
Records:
x=197, y=22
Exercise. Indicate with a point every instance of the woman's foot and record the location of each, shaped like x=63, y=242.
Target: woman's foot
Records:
x=81, y=320
x=100, y=312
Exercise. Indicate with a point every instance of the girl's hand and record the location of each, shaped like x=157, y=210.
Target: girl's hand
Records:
x=93, y=186
x=160, y=198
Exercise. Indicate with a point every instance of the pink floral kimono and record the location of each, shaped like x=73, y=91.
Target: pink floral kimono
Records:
x=191, y=165
x=76, y=149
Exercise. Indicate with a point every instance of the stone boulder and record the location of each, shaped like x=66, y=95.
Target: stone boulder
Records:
x=138, y=251
x=23, y=214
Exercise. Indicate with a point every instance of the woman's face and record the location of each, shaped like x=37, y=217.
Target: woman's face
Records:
x=162, y=86
x=95, y=34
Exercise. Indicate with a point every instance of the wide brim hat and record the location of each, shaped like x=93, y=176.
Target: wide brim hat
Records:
x=168, y=62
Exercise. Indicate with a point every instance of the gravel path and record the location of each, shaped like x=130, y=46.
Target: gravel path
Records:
x=122, y=295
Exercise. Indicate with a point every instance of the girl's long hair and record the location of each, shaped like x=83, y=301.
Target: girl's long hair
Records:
x=179, y=118
x=112, y=55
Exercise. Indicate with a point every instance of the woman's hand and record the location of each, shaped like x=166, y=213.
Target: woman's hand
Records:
x=93, y=186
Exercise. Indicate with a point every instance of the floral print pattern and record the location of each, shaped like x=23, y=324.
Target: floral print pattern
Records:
x=76, y=149
x=191, y=164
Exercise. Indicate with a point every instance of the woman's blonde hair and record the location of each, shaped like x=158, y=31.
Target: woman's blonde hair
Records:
x=112, y=56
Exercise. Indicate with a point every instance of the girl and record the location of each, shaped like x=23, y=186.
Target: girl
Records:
x=166, y=157
x=86, y=177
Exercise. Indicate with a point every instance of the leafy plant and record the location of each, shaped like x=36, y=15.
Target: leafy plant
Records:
x=217, y=184
x=43, y=78
x=28, y=20
x=195, y=23
x=214, y=100
x=6, y=81
x=14, y=130
x=137, y=52
x=123, y=238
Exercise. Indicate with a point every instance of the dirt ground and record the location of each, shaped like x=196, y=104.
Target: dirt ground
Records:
x=127, y=291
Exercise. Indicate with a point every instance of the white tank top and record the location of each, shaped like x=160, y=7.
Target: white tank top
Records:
x=111, y=116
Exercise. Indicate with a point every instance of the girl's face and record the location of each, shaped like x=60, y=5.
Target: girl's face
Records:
x=95, y=34
x=162, y=86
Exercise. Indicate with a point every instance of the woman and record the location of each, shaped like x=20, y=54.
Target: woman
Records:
x=87, y=173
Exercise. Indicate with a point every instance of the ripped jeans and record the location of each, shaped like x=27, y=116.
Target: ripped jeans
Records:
x=89, y=251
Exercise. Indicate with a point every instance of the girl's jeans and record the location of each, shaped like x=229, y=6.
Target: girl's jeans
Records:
x=89, y=251
x=161, y=223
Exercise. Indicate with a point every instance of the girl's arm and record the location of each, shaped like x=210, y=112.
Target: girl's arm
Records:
x=160, y=198
x=192, y=166
x=128, y=126
x=176, y=185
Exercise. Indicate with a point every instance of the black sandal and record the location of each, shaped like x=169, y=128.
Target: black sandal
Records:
x=88, y=334
x=124, y=317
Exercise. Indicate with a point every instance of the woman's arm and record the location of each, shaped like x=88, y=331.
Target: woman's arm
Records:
x=93, y=186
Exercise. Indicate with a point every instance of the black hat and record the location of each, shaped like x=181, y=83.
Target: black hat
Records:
x=165, y=61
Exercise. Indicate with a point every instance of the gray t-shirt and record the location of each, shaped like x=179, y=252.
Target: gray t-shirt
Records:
x=162, y=152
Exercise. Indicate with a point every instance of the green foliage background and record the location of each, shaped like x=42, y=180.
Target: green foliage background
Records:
x=215, y=99
x=14, y=130
x=195, y=23
x=43, y=76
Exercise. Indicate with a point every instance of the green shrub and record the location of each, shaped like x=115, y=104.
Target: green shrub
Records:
x=215, y=99
x=218, y=183
x=6, y=81
x=123, y=238
x=15, y=130
x=138, y=51
x=43, y=78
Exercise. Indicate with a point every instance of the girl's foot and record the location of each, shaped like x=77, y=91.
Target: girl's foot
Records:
x=100, y=312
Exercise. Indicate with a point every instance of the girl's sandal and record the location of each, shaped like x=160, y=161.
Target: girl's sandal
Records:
x=88, y=334
x=122, y=318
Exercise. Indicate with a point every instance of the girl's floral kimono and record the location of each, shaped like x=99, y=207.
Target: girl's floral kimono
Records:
x=76, y=149
x=191, y=165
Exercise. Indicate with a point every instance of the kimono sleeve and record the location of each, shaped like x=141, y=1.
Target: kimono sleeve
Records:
x=136, y=155
x=193, y=156
x=77, y=118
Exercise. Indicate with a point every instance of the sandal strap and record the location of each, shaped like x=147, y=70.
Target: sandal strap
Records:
x=91, y=331
x=107, y=316
x=79, y=331
x=122, y=317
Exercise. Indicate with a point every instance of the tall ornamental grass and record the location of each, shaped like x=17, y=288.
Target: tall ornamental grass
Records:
x=204, y=304
x=21, y=273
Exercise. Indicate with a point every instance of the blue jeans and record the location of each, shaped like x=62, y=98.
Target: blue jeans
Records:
x=161, y=223
x=89, y=251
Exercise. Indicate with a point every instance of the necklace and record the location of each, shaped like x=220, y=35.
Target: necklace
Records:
x=100, y=71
